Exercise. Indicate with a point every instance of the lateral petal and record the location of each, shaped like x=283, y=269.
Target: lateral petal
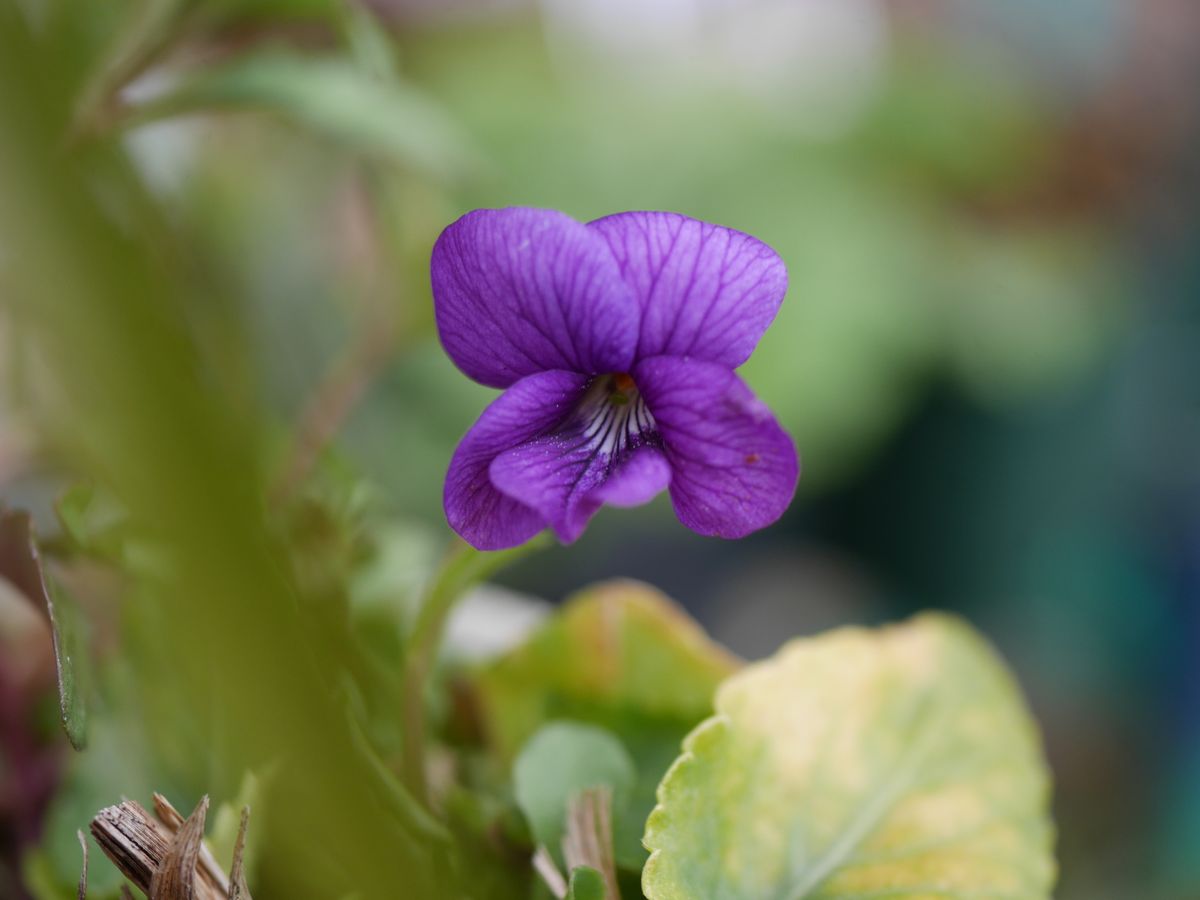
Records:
x=734, y=469
x=484, y=517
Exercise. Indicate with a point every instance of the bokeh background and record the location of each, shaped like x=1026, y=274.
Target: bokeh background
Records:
x=989, y=355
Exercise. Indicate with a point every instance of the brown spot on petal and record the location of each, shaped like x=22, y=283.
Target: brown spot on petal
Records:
x=751, y=458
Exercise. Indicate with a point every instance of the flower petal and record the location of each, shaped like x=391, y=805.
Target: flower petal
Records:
x=734, y=469
x=522, y=290
x=641, y=476
x=705, y=291
x=568, y=479
x=486, y=518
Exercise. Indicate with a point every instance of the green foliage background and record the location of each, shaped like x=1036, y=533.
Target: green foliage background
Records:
x=218, y=360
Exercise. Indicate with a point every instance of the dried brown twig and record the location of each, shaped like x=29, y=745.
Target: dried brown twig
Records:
x=587, y=842
x=589, y=837
x=166, y=858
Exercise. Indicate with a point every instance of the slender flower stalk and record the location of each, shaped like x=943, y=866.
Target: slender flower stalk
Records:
x=461, y=570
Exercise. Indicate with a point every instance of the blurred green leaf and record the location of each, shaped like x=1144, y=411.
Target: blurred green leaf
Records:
x=386, y=119
x=21, y=565
x=586, y=884
x=899, y=762
x=561, y=760
x=371, y=45
x=620, y=655
x=72, y=661
x=134, y=410
x=615, y=654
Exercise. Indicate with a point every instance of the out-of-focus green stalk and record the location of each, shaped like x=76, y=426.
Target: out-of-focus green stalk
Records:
x=462, y=568
x=126, y=395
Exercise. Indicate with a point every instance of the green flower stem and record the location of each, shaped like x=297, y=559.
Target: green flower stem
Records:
x=462, y=568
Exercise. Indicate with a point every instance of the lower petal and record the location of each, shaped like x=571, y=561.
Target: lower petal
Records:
x=567, y=479
x=555, y=475
x=640, y=477
x=734, y=468
x=483, y=516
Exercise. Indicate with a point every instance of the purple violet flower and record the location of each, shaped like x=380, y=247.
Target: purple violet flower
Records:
x=616, y=343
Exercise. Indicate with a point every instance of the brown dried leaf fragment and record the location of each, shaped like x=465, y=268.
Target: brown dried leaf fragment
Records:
x=83, y=875
x=543, y=864
x=589, y=837
x=175, y=878
x=132, y=839
x=138, y=844
x=173, y=819
x=237, y=876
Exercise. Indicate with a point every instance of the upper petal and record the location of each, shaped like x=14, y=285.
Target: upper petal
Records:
x=484, y=517
x=705, y=291
x=734, y=469
x=522, y=290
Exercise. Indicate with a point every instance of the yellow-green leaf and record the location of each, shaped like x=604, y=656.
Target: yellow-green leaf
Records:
x=620, y=655
x=616, y=651
x=899, y=763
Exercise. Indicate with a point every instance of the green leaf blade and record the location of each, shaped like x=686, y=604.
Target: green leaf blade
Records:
x=898, y=763
x=21, y=565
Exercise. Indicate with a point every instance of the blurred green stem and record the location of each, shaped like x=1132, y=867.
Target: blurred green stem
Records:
x=149, y=31
x=462, y=568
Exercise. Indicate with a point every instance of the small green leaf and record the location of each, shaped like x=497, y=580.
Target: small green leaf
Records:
x=896, y=763
x=21, y=565
x=376, y=116
x=586, y=884
x=561, y=760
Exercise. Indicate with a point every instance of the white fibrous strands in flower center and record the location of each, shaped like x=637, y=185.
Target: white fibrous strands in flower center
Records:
x=614, y=418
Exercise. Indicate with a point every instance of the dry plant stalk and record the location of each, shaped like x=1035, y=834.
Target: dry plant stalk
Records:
x=237, y=874
x=587, y=842
x=172, y=818
x=543, y=864
x=83, y=875
x=166, y=857
x=589, y=837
